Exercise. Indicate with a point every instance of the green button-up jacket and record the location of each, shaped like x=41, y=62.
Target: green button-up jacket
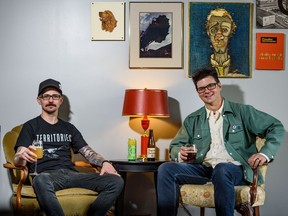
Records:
x=241, y=125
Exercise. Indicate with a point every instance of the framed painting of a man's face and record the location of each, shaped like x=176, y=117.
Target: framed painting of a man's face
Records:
x=220, y=37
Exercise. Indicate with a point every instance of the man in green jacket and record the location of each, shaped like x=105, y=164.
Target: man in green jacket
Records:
x=224, y=134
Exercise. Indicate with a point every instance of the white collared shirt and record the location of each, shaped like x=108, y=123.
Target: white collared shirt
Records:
x=217, y=153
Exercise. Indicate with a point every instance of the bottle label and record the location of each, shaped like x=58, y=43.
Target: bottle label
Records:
x=150, y=152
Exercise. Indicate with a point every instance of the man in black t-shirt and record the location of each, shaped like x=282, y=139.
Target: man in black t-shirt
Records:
x=55, y=169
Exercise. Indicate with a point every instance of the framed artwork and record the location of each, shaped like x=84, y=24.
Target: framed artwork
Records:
x=156, y=35
x=107, y=21
x=220, y=36
x=272, y=14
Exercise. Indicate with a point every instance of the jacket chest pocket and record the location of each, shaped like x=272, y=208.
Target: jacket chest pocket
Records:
x=201, y=137
x=235, y=134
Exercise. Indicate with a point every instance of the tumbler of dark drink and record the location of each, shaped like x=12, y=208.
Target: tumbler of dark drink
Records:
x=191, y=152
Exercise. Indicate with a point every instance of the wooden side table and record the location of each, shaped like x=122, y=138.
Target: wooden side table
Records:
x=124, y=166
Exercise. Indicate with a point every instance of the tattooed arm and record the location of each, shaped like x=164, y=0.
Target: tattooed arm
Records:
x=93, y=157
x=97, y=160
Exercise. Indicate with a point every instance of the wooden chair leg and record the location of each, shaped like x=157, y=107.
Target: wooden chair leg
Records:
x=256, y=211
x=202, y=211
x=245, y=209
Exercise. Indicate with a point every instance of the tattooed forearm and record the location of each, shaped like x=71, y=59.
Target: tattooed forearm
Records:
x=93, y=157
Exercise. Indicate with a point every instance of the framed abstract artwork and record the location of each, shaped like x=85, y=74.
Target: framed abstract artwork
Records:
x=107, y=21
x=220, y=36
x=156, y=35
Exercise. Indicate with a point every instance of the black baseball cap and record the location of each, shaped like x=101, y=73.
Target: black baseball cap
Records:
x=49, y=83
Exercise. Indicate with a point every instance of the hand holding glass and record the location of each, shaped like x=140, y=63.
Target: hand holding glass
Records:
x=38, y=151
x=191, y=152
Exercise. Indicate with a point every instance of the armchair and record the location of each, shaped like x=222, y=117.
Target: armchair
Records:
x=74, y=201
x=248, y=198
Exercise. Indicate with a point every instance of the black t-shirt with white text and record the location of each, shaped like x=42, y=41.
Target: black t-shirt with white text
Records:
x=58, y=139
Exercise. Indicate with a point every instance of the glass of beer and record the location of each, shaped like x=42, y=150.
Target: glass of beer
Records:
x=191, y=152
x=38, y=144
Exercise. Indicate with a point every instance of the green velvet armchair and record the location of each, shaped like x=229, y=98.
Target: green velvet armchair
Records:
x=248, y=198
x=74, y=201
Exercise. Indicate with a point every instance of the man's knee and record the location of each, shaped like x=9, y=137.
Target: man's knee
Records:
x=228, y=172
x=117, y=182
x=120, y=183
x=221, y=171
x=165, y=168
x=40, y=182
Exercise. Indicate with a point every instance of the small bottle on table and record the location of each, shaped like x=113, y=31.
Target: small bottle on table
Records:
x=151, y=150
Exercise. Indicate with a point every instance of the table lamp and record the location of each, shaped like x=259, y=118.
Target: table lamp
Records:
x=145, y=103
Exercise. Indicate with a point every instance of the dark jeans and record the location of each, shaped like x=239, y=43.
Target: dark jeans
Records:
x=46, y=183
x=224, y=177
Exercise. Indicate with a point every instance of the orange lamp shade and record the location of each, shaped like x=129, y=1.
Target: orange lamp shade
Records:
x=145, y=102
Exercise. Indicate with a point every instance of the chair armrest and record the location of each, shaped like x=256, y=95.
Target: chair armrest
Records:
x=23, y=171
x=246, y=208
x=23, y=176
x=83, y=164
x=253, y=187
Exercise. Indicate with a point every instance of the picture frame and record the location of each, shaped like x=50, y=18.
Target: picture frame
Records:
x=271, y=14
x=220, y=36
x=108, y=21
x=151, y=47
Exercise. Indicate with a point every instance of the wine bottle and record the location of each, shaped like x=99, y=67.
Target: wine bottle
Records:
x=151, y=149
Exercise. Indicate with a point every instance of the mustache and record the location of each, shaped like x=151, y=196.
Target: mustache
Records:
x=50, y=104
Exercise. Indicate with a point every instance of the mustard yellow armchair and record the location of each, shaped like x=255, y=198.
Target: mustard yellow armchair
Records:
x=74, y=201
x=248, y=198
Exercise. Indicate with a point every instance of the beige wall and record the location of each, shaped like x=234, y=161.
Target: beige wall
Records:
x=42, y=39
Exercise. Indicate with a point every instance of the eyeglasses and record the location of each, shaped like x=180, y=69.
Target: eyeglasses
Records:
x=210, y=86
x=47, y=97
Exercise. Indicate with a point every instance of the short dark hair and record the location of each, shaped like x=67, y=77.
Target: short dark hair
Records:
x=204, y=72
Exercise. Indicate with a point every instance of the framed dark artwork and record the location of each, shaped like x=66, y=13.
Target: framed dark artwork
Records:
x=272, y=14
x=220, y=36
x=156, y=35
x=107, y=21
